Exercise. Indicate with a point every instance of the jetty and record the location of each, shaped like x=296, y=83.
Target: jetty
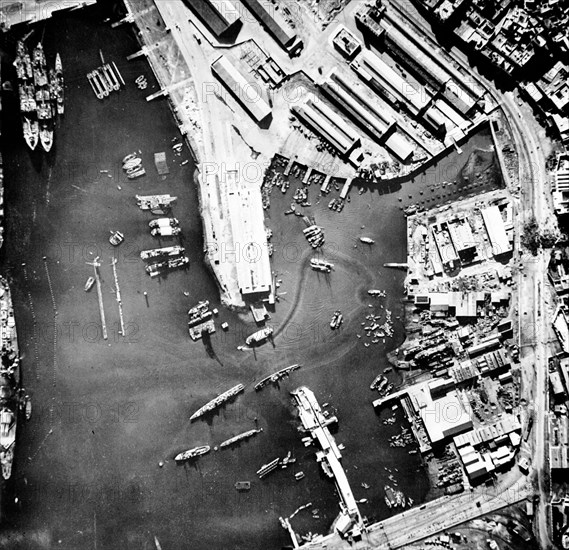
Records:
x=396, y=265
x=350, y=522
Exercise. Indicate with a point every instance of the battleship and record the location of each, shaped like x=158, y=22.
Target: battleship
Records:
x=9, y=381
x=275, y=377
x=240, y=437
x=259, y=336
x=161, y=252
x=217, y=401
x=192, y=453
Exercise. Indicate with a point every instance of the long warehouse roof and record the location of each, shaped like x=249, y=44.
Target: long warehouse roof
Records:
x=247, y=93
x=282, y=34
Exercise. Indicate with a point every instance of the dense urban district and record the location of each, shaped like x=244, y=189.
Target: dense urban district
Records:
x=311, y=129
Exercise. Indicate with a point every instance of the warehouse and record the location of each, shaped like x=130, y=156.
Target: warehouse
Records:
x=280, y=32
x=221, y=17
x=416, y=98
x=378, y=124
x=328, y=125
x=248, y=94
x=249, y=236
x=494, y=224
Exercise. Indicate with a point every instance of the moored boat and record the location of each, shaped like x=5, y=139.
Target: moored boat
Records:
x=218, y=401
x=259, y=336
x=240, y=437
x=192, y=453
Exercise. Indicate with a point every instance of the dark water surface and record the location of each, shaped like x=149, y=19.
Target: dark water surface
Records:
x=117, y=408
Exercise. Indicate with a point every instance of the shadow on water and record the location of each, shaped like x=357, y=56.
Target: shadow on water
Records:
x=206, y=339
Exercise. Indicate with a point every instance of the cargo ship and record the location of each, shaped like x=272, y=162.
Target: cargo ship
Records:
x=240, y=437
x=218, y=401
x=9, y=381
x=192, y=453
x=161, y=252
x=259, y=336
x=275, y=377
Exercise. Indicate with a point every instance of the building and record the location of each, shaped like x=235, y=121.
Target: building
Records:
x=444, y=416
x=496, y=230
x=381, y=126
x=248, y=93
x=462, y=239
x=221, y=17
x=328, y=125
x=279, y=30
x=249, y=237
x=346, y=43
x=561, y=185
x=556, y=385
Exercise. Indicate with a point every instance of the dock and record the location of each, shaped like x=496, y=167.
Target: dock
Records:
x=95, y=263
x=289, y=166
x=326, y=184
x=346, y=188
x=350, y=521
x=307, y=176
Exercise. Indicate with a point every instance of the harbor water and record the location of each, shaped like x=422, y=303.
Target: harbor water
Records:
x=94, y=467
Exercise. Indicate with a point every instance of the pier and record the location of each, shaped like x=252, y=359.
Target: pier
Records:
x=289, y=166
x=95, y=263
x=306, y=176
x=350, y=521
x=378, y=403
x=326, y=184
x=396, y=265
x=118, y=291
x=346, y=188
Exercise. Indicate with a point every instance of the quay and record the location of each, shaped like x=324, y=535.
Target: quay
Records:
x=350, y=521
x=346, y=188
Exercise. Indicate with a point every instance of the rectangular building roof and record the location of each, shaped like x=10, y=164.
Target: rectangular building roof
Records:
x=279, y=30
x=218, y=15
x=494, y=224
x=248, y=93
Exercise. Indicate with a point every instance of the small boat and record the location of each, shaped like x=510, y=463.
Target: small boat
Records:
x=367, y=240
x=164, y=222
x=89, y=284
x=299, y=475
x=28, y=407
x=116, y=238
x=163, y=231
x=259, y=336
x=192, y=453
x=132, y=163
x=321, y=265
x=365, y=485
x=136, y=173
x=243, y=485
x=130, y=156
x=337, y=320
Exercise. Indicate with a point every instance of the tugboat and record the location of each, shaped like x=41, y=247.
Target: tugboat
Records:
x=337, y=320
x=321, y=265
x=192, y=453
x=259, y=336
x=367, y=240
x=10, y=399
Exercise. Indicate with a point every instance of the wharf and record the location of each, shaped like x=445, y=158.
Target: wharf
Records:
x=346, y=188
x=326, y=184
x=314, y=421
x=378, y=403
